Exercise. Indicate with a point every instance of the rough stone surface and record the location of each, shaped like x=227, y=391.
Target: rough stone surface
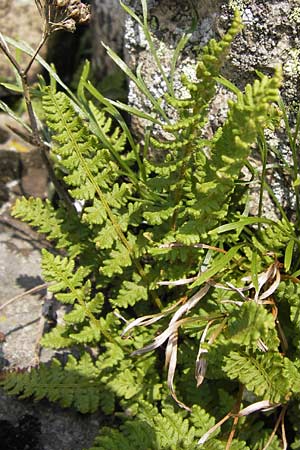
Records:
x=25, y=424
x=107, y=25
x=51, y=427
x=19, y=271
x=270, y=37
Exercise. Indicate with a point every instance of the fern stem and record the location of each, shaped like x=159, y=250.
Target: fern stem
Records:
x=178, y=192
x=102, y=197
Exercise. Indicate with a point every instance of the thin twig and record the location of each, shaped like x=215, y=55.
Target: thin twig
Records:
x=283, y=435
x=212, y=429
x=236, y=418
x=278, y=421
x=30, y=291
x=39, y=47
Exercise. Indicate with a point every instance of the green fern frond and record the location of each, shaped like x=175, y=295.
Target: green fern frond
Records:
x=150, y=429
x=68, y=234
x=130, y=293
x=232, y=147
x=77, y=149
x=58, y=337
x=262, y=374
x=76, y=384
x=250, y=323
x=62, y=272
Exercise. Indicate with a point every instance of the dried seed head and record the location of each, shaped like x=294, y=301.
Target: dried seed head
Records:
x=69, y=25
x=62, y=3
x=63, y=14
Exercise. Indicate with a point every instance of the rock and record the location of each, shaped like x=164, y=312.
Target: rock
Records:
x=20, y=271
x=34, y=175
x=270, y=37
x=42, y=426
x=107, y=25
x=26, y=424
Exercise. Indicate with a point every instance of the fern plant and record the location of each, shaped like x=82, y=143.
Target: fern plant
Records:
x=157, y=247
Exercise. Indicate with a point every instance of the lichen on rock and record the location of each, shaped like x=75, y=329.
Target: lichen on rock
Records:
x=270, y=38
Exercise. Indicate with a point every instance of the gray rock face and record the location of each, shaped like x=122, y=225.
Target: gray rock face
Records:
x=107, y=25
x=44, y=426
x=19, y=271
x=40, y=426
x=270, y=37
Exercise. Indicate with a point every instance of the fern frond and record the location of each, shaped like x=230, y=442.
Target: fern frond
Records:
x=231, y=148
x=61, y=271
x=250, y=323
x=150, y=429
x=58, y=337
x=68, y=234
x=262, y=374
x=130, y=293
x=76, y=384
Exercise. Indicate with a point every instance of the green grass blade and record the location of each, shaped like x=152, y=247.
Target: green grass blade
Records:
x=114, y=112
x=134, y=111
x=82, y=82
x=226, y=83
x=180, y=46
x=288, y=255
x=12, y=87
x=5, y=108
x=254, y=272
x=296, y=274
x=241, y=224
x=118, y=117
x=219, y=264
x=131, y=13
x=30, y=51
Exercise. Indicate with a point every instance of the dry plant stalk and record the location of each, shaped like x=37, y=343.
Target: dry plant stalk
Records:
x=56, y=15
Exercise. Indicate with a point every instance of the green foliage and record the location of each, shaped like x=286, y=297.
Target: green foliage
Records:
x=75, y=384
x=261, y=374
x=153, y=430
x=162, y=243
x=250, y=323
